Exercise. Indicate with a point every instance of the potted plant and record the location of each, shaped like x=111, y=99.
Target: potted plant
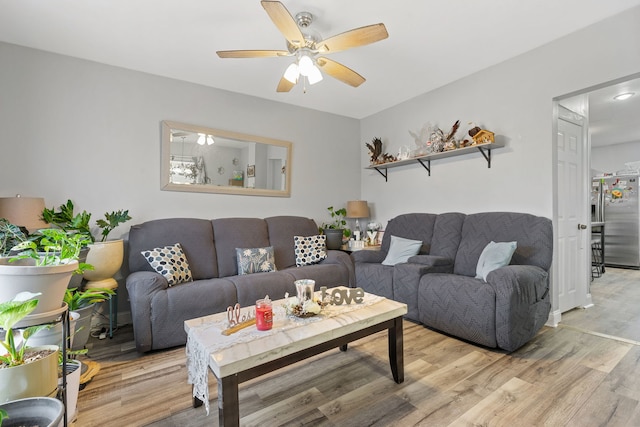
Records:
x=10, y=235
x=83, y=303
x=32, y=411
x=44, y=264
x=24, y=371
x=336, y=230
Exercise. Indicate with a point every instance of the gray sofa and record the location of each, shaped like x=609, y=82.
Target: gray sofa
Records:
x=439, y=285
x=159, y=311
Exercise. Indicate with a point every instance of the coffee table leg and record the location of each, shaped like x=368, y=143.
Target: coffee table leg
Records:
x=396, y=350
x=196, y=402
x=228, y=406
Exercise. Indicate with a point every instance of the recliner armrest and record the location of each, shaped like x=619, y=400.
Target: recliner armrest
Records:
x=339, y=257
x=375, y=257
x=142, y=286
x=430, y=260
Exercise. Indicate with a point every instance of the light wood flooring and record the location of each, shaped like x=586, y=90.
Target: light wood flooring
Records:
x=584, y=373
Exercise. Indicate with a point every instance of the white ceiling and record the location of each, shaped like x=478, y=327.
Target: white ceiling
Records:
x=431, y=43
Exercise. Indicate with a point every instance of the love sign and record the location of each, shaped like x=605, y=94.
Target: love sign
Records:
x=339, y=296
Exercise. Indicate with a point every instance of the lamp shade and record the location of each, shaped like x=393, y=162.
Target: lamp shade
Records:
x=23, y=211
x=357, y=209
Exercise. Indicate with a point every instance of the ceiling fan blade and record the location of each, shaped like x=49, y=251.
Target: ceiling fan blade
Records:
x=284, y=21
x=251, y=53
x=284, y=85
x=353, y=38
x=340, y=72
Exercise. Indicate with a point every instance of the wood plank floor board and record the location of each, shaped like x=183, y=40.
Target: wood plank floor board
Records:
x=583, y=373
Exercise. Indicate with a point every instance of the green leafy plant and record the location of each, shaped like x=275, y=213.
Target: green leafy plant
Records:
x=76, y=299
x=53, y=246
x=65, y=219
x=10, y=236
x=12, y=312
x=111, y=221
x=3, y=415
x=338, y=221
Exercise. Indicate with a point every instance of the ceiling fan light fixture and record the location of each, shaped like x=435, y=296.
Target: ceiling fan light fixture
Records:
x=305, y=65
x=314, y=76
x=210, y=140
x=292, y=73
x=201, y=139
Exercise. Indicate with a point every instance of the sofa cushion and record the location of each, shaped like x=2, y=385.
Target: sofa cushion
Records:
x=194, y=235
x=232, y=233
x=458, y=305
x=171, y=262
x=310, y=250
x=255, y=260
x=281, y=231
x=401, y=249
x=418, y=226
x=493, y=256
x=534, y=235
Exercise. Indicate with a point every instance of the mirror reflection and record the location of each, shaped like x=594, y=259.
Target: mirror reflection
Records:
x=200, y=159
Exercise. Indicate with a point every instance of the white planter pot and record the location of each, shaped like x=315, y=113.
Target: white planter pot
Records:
x=106, y=258
x=36, y=411
x=35, y=379
x=82, y=327
x=53, y=335
x=51, y=281
x=74, y=369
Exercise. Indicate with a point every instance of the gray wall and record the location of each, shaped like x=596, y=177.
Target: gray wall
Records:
x=512, y=99
x=613, y=157
x=74, y=129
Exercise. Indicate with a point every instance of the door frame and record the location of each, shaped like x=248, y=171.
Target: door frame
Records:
x=555, y=315
x=583, y=287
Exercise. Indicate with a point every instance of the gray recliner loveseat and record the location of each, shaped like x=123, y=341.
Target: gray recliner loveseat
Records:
x=439, y=284
x=159, y=310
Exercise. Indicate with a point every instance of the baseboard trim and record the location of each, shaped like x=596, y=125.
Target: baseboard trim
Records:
x=554, y=319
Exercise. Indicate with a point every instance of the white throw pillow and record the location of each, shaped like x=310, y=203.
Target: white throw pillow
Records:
x=493, y=256
x=401, y=249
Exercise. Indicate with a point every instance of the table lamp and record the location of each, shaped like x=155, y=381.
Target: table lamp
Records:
x=23, y=211
x=357, y=209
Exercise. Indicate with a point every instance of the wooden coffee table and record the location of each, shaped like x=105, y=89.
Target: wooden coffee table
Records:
x=287, y=344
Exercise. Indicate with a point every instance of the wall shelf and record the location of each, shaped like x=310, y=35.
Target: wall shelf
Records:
x=425, y=161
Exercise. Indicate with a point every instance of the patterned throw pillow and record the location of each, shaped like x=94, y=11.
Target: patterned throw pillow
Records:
x=255, y=260
x=310, y=250
x=171, y=262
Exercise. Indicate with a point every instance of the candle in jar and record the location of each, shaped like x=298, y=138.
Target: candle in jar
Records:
x=264, y=314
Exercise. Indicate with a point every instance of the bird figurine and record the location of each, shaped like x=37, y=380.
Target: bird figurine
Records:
x=375, y=149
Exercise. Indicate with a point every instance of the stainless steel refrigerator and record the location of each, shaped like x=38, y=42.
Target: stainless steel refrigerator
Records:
x=614, y=200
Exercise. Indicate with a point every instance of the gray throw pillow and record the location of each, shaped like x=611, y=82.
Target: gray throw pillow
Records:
x=255, y=260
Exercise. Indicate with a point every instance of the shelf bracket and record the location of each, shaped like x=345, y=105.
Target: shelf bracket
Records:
x=427, y=166
x=486, y=155
x=385, y=173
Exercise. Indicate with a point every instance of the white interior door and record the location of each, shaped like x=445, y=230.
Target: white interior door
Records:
x=573, y=229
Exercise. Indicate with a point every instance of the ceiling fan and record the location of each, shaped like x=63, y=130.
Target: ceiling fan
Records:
x=308, y=48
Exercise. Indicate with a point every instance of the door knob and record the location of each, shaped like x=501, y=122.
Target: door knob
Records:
x=582, y=227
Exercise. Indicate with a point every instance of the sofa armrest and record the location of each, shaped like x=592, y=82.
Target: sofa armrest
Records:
x=340, y=257
x=431, y=261
x=142, y=286
x=375, y=257
x=522, y=303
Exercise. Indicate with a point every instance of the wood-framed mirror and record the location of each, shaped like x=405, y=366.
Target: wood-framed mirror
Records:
x=205, y=160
